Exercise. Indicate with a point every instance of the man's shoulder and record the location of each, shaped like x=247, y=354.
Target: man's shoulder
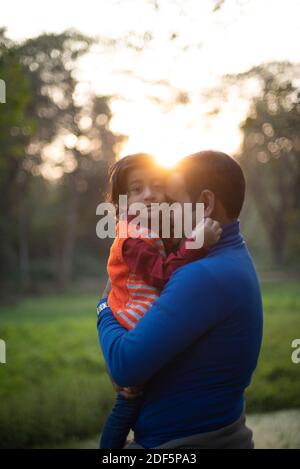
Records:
x=195, y=285
x=196, y=274
x=208, y=263
x=223, y=266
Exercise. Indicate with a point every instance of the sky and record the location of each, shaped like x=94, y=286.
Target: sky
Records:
x=243, y=33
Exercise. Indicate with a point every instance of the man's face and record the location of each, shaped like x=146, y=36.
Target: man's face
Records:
x=176, y=188
x=176, y=192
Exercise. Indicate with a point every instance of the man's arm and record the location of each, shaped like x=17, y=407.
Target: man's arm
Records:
x=188, y=307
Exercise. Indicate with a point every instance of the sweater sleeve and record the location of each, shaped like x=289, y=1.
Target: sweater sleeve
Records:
x=188, y=308
x=155, y=269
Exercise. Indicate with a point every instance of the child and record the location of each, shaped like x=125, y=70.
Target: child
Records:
x=139, y=267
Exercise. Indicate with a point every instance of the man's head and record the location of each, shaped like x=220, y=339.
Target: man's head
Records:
x=213, y=178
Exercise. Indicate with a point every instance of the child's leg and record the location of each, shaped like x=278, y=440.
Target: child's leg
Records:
x=119, y=422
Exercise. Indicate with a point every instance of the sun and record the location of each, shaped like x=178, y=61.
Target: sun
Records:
x=169, y=137
x=164, y=153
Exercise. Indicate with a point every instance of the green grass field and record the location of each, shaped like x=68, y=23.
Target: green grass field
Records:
x=54, y=386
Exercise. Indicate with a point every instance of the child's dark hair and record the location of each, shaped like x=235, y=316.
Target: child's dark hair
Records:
x=118, y=174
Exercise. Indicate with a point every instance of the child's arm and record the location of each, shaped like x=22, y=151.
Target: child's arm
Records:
x=155, y=269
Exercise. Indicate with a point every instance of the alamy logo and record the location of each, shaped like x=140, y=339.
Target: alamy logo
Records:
x=2, y=92
x=160, y=218
x=296, y=353
x=2, y=351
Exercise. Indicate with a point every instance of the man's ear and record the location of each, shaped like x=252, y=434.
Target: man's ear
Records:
x=207, y=197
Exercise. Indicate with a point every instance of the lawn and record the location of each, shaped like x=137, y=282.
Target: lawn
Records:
x=54, y=386
x=276, y=383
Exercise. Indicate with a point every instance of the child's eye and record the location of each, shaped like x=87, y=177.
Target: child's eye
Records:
x=158, y=186
x=135, y=189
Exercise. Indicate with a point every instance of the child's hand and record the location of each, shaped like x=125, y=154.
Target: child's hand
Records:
x=212, y=232
x=209, y=229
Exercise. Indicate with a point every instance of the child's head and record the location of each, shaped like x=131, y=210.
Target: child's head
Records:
x=138, y=177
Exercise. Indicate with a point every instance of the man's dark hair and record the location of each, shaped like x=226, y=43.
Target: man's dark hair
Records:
x=217, y=172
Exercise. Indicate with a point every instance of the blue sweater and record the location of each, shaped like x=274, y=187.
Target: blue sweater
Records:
x=196, y=348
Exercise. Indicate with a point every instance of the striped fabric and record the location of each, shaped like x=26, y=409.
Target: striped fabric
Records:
x=136, y=296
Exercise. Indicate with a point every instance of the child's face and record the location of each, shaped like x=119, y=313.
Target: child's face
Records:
x=145, y=186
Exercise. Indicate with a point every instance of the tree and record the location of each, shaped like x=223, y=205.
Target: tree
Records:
x=16, y=128
x=45, y=113
x=270, y=156
x=93, y=149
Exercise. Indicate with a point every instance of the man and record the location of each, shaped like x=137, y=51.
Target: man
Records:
x=198, y=345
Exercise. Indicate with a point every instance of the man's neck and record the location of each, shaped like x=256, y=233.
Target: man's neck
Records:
x=221, y=216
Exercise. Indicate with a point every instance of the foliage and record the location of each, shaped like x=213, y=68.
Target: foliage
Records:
x=270, y=156
x=54, y=386
x=49, y=128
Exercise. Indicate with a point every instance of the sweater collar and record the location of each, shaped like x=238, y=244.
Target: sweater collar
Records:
x=230, y=237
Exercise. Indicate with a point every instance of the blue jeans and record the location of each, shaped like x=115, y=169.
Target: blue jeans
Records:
x=118, y=424
x=123, y=415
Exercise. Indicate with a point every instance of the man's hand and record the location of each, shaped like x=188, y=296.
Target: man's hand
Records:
x=128, y=392
x=131, y=392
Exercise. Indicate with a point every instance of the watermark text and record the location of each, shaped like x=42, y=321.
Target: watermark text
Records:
x=160, y=220
x=2, y=351
x=296, y=353
x=2, y=91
